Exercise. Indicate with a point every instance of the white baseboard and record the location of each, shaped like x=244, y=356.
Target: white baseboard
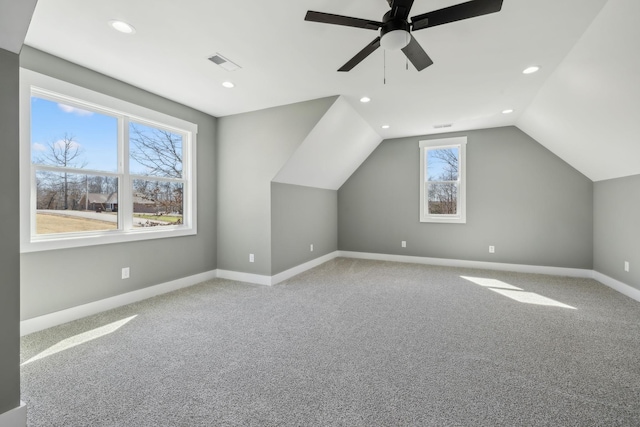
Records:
x=258, y=279
x=16, y=417
x=519, y=268
x=617, y=285
x=63, y=316
x=287, y=274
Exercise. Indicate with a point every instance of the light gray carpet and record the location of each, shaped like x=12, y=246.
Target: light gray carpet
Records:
x=349, y=343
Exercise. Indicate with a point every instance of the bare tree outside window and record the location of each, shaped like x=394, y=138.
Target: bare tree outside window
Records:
x=158, y=150
x=443, y=164
x=158, y=153
x=64, y=153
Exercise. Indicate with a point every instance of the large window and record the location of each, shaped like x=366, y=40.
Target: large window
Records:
x=96, y=169
x=442, y=180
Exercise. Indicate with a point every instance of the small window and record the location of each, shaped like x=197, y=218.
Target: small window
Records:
x=100, y=170
x=442, y=180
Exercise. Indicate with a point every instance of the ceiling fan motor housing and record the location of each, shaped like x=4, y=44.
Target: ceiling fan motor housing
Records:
x=395, y=29
x=394, y=33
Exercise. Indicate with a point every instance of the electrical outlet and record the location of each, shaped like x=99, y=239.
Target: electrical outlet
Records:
x=492, y=249
x=311, y=247
x=404, y=243
x=251, y=258
x=626, y=266
x=125, y=273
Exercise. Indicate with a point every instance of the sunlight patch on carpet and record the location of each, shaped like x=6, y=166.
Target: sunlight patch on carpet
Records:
x=491, y=283
x=530, y=298
x=81, y=339
x=515, y=293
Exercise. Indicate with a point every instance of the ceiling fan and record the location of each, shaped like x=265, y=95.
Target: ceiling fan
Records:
x=395, y=28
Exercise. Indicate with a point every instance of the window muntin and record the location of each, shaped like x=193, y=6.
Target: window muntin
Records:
x=78, y=182
x=442, y=180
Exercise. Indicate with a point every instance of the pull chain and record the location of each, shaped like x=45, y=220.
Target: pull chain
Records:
x=384, y=67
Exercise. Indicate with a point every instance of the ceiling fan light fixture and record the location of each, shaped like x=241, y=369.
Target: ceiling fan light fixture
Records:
x=530, y=70
x=395, y=40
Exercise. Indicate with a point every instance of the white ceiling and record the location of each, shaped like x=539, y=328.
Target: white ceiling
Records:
x=284, y=59
x=332, y=151
x=588, y=110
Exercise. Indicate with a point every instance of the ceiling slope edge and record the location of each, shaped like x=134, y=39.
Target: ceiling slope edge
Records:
x=332, y=151
x=15, y=17
x=587, y=111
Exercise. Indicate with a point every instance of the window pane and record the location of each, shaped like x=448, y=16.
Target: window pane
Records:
x=442, y=164
x=70, y=203
x=154, y=151
x=157, y=203
x=442, y=198
x=66, y=136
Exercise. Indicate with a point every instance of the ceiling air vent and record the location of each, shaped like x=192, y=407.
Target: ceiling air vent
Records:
x=447, y=125
x=224, y=62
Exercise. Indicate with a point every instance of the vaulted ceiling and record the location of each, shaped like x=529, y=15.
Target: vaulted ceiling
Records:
x=583, y=104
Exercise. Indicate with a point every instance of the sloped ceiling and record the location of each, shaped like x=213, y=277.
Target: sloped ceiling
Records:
x=588, y=111
x=15, y=17
x=581, y=104
x=334, y=149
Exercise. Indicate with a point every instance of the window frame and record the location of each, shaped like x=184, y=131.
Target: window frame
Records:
x=433, y=144
x=55, y=90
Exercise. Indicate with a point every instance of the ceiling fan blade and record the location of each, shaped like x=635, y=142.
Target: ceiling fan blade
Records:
x=467, y=10
x=347, y=21
x=400, y=8
x=417, y=55
x=360, y=56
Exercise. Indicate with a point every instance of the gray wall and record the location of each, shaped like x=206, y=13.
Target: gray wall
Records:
x=9, y=234
x=616, y=228
x=55, y=280
x=301, y=216
x=532, y=206
x=252, y=148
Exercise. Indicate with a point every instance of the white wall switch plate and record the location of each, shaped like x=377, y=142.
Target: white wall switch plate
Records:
x=404, y=243
x=311, y=247
x=125, y=273
x=626, y=266
x=251, y=258
x=492, y=249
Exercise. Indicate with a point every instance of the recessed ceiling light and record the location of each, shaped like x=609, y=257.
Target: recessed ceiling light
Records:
x=121, y=26
x=385, y=126
x=228, y=85
x=365, y=99
x=531, y=70
x=508, y=111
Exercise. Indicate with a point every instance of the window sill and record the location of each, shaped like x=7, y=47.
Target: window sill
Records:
x=54, y=242
x=451, y=220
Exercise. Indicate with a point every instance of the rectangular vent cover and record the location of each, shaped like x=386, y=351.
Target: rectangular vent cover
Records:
x=224, y=62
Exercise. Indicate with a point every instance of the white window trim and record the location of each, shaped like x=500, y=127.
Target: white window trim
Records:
x=98, y=102
x=461, y=144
